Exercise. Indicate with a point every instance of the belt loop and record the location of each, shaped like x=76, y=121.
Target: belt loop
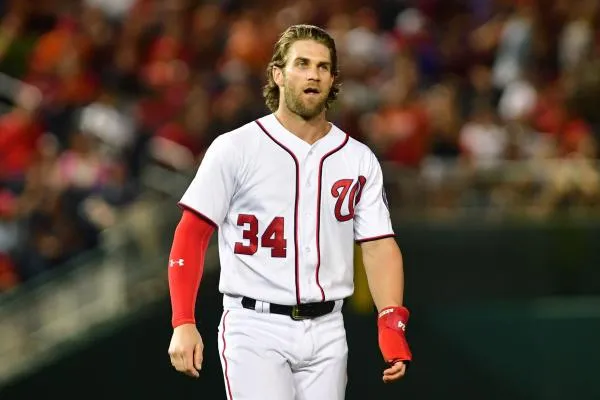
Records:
x=338, y=305
x=262, y=307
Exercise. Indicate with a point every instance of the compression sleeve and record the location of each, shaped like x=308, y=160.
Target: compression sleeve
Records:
x=186, y=264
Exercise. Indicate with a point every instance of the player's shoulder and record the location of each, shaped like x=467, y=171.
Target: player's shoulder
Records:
x=241, y=133
x=357, y=148
x=239, y=138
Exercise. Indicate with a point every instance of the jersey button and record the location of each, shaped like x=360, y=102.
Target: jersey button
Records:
x=307, y=249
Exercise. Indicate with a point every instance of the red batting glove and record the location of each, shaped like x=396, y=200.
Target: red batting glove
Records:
x=391, y=323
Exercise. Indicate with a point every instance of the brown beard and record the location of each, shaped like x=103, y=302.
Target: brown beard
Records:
x=295, y=105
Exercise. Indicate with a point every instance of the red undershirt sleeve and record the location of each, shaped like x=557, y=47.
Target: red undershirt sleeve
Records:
x=186, y=264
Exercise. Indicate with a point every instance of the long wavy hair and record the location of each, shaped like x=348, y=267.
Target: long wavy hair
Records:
x=280, y=58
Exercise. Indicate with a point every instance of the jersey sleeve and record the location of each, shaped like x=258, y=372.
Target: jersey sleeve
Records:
x=372, y=216
x=210, y=192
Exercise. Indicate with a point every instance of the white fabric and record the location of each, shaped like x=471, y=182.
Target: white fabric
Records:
x=486, y=143
x=574, y=43
x=107, y=124
x=272, y=357
x=517, y=101
x=513, y=51
x=246, y=172
x=113, y=8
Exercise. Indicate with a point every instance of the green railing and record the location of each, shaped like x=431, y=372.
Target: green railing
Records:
x=127, y=272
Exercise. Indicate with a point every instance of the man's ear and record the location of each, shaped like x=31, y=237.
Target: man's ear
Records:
x=277, y=75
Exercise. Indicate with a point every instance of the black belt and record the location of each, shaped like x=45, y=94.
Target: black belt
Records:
x=297, y=312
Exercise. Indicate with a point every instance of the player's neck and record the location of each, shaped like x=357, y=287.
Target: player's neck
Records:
x=308, y=130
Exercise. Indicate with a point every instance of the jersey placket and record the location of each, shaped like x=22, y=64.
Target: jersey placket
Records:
x=308, y=225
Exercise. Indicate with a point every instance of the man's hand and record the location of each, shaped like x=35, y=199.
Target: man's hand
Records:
x=186, y=349
x=395, y=372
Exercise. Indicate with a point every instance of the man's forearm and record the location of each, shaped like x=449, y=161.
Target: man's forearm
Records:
x=186, y=264
x=385, y=273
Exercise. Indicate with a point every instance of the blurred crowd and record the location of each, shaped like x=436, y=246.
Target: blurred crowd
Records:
x=467, y=103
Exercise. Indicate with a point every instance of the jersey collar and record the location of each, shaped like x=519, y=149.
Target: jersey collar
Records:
x=332, y=140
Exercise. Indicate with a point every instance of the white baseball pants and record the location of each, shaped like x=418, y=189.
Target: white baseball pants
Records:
x=272, y=357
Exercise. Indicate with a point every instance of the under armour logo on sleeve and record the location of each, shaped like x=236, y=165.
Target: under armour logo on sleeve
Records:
x=176, y=262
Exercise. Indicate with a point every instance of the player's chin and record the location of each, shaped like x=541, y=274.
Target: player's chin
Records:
x=311, y=112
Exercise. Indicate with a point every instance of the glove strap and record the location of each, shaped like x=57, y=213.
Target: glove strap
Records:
x=396, y=315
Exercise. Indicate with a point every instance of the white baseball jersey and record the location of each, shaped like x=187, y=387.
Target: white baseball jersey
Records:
x=288, y=212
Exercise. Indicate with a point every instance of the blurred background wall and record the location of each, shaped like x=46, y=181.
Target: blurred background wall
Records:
x=483, y=113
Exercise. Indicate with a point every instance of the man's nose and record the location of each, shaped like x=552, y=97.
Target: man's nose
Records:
x=313, y=74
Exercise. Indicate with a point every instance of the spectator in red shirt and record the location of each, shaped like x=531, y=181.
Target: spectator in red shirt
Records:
x=399, y=129
x=19, y=133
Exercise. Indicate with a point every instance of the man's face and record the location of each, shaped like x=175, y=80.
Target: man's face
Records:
x=306, y=78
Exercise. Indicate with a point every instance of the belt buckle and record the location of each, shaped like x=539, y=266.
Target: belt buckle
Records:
x=296, y=314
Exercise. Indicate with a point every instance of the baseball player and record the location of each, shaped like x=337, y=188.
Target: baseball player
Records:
x=289, y=194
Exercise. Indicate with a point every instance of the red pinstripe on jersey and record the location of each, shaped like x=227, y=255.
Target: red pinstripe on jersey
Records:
x=319, y=212
x=226, y=369
x=297, y=164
